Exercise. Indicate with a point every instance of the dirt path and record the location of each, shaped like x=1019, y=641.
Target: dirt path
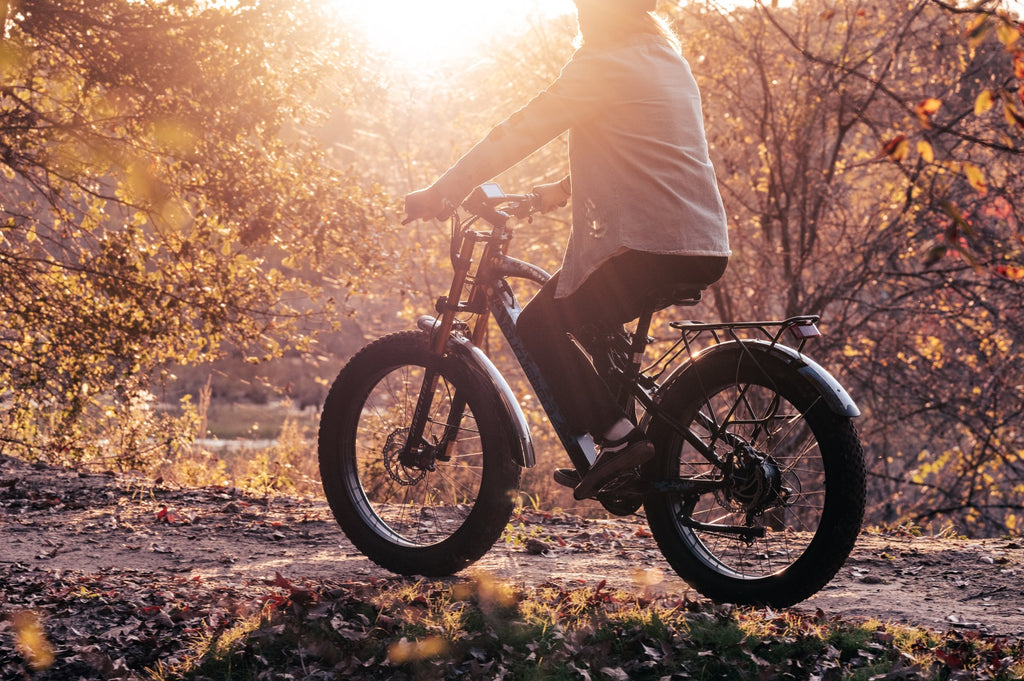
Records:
x=55, y=523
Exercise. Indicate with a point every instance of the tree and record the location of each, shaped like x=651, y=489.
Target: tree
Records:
x=165, y=197
x=862, y=185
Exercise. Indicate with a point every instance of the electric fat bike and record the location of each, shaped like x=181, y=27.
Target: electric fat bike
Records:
x=755, y=495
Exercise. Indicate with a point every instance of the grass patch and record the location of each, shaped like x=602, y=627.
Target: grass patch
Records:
x=484, y=629
x=241, y=421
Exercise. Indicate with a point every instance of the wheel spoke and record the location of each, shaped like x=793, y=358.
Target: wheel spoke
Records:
x=775, y=433
x=421, y=506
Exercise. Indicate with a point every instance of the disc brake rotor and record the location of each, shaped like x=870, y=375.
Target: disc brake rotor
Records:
x=398, y=472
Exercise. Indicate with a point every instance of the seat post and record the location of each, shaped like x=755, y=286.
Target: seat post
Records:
x=639, y=344
x=643, y=327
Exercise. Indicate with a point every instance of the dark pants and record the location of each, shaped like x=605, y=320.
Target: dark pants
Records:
x=611, y=296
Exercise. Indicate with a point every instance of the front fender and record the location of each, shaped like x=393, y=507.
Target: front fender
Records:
x=474, y=357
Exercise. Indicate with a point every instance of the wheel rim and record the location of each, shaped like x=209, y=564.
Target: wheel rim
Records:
x=412, y=506
x=781, y=487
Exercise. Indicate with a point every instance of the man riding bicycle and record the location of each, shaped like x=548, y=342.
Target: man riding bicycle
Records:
x=647, y=214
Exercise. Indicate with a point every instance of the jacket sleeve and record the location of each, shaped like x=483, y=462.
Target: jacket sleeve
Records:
x=573, y=97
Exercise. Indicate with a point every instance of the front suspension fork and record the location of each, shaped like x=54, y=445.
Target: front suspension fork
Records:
x=418, y=452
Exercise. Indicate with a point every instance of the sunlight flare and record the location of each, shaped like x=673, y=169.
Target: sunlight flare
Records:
x=420, y=36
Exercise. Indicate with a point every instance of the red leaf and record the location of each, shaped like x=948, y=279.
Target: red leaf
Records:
x=280, y=581
x=951, y=660
x=896, y=148
x=1011, y=272
x=295, y=593
x=164, y=515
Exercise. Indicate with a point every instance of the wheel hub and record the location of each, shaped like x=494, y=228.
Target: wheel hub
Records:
x=393, y=452
x=756, y=483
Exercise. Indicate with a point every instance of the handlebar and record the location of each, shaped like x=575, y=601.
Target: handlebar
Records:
x=485, y=201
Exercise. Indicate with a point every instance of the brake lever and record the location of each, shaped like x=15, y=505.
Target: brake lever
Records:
x=526, y=208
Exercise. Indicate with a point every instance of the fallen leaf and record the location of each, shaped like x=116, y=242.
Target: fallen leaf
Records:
x=976, y=176
x=615, y=673
x=31, y=641
x=537, y=547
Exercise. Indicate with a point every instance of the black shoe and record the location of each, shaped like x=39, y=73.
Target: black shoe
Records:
x=613, y=459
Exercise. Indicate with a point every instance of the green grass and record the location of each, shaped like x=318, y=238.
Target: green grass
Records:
x=484, y=629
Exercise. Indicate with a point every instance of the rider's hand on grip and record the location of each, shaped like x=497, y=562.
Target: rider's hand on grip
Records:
x=426, y=204
x=550, y=196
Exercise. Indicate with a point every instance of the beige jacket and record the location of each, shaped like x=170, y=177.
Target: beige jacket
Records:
x=638, y=157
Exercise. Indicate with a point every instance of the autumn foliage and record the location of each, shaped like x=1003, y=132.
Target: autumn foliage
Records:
x=164, y=200
x=181, y=183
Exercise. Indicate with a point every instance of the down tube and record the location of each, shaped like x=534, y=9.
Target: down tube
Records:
x=505, y=310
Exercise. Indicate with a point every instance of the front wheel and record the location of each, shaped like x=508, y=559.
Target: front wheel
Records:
x=437, y=514
x=776, y=514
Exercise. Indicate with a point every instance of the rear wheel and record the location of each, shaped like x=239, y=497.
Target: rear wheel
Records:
x=436, y=514
x=778, y=514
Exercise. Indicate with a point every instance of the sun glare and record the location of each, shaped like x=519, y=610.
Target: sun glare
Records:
x=420, y=35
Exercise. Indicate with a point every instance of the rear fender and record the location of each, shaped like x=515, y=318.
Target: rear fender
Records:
x=831, y=391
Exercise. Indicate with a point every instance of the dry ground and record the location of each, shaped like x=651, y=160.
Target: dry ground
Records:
x=59, y=528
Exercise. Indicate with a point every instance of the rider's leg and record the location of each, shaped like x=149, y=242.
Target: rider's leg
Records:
x=582, y=397
x=611, y=296
x=545, y=327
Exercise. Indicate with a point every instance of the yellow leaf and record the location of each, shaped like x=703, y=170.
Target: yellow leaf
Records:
x=1008, y=33
x=1011, y=272
x=926, y=152
x=226, y=248
x=985, y=101
x=30, y=638
x=925, y=109
x=7, y=171
x=976, y=177
x=1012, y=117
x=977, y=30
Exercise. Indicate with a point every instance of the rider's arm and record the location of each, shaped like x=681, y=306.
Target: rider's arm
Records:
x=575, y=96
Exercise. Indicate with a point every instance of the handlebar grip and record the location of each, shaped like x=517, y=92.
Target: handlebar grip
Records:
x=525, y=205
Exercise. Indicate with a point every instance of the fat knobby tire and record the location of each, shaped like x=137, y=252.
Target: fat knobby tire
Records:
x=843, y=462
x=344, y=490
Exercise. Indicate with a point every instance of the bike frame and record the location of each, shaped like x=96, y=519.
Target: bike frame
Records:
x=491, y=295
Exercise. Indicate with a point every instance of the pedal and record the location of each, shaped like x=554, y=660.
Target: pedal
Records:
x=567, y=477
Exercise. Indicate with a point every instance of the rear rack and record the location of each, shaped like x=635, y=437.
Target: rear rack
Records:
x=801, y=327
